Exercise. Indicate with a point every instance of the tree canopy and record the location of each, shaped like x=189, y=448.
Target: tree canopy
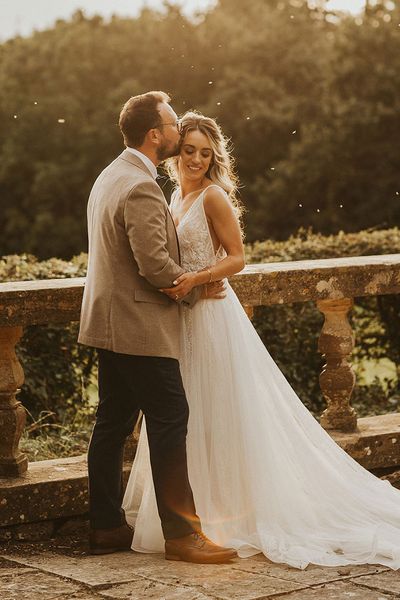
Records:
x=308, y=98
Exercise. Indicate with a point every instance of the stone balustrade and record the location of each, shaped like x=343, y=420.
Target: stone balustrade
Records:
x=331, y=283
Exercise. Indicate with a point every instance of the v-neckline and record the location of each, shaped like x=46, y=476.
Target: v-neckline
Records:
x=190, y=207
x=193, y=203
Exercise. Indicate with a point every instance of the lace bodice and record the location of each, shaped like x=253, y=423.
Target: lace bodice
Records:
x=196, y=246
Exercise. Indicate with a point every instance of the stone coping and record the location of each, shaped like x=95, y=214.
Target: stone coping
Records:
x=59, y=300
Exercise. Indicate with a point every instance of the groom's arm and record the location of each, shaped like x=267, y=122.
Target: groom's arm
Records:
x=145, y=225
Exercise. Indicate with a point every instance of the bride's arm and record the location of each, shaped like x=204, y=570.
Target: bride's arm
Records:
x=222, y=218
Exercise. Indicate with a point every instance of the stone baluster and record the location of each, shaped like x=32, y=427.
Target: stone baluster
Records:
x=337, y=378
x=12, y=414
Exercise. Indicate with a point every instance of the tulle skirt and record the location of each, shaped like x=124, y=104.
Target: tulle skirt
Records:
x=266, y=476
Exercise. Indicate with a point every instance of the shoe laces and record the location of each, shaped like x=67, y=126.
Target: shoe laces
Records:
x=200, y=536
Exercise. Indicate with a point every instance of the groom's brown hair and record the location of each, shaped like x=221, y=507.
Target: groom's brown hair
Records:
x=138, y=115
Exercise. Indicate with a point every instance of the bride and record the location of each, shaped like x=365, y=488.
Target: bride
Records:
x=266, y=476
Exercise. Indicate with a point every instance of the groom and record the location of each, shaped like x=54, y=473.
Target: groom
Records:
x=134, y=252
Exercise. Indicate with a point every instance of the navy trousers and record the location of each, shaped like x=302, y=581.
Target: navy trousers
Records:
x=128, y=384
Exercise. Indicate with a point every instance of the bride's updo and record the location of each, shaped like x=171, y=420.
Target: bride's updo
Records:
x=221, y=170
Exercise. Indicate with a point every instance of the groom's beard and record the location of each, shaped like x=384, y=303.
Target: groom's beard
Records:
x=165, y=151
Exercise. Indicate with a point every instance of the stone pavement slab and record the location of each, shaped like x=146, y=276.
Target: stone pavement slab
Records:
x=338, y=591
x=151, y=590
x=84, y=595
x=90, y=570
x=35, y=586
x=385, y=582
x=13, y=570
x=313, y=574
x=223, y=581
x=65, y=572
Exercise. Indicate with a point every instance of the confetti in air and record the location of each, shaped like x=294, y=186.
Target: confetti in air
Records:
x=15, y=116
x=247, y=118
x=318, y=210
x=300, y=205
x=218, y=103
x=295, y=131
x=340, y=205
x=210, y=83
x=61, y=121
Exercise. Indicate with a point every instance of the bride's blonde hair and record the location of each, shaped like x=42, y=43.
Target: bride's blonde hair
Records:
x=221, y=170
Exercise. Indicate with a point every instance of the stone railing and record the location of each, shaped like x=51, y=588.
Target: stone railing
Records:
x=332, y=284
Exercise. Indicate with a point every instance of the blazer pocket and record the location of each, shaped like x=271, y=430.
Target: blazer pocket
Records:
x=149, y=296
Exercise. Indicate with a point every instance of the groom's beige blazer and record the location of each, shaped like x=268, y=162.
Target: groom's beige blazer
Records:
x=133, y=251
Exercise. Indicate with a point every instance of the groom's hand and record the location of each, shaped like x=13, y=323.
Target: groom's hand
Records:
x=186, y=282
x=183, y=285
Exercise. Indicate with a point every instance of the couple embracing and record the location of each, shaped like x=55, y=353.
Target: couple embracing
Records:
x=229, y=461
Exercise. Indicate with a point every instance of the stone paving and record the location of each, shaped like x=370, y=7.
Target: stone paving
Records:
x=62, y=569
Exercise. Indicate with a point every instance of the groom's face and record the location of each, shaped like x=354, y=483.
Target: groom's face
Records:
x=169, y=129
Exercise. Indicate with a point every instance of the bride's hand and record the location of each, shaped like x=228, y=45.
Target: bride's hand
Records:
x=184, y=285
x=213, y=291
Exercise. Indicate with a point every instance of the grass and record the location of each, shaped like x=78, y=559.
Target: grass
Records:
x=44, y=439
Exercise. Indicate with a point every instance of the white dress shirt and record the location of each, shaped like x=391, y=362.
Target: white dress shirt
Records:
x=149, y=164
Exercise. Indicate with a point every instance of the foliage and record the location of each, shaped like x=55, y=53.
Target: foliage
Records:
x=57, y=392
x=60, y=390
x=307, y=245
x=309, y=99
x=44, y=439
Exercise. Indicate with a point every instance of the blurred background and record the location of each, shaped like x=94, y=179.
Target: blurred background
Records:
x=308, y=93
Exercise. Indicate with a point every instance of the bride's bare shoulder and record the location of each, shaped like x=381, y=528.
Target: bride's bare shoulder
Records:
x=215, y=194
x=216, y=201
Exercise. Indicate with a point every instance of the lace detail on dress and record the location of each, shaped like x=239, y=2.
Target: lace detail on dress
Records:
x=197, y=250
x=195, y=241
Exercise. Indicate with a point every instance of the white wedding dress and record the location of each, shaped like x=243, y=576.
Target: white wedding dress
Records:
x=266, y=476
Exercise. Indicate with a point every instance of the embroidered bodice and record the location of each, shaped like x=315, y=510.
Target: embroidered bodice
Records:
x=196, y=246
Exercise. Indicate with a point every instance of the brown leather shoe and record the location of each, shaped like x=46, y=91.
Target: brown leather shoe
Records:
x=197, y=548
x=106, y=541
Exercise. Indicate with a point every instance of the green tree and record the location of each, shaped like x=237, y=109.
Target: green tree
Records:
x=310, y=101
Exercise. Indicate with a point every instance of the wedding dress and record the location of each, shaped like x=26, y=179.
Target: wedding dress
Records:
x=266, y=477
